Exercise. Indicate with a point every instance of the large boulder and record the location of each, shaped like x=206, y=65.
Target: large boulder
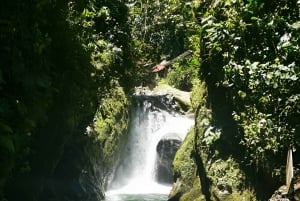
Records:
x=181, y=96
x=164, y=97
x=166, y=150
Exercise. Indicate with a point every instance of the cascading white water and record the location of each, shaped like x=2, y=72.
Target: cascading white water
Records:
x=136, y=172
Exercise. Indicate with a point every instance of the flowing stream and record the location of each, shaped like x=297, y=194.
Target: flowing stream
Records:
x=134, y=179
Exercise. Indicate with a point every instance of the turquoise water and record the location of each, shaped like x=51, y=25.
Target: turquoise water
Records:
x=137, y=197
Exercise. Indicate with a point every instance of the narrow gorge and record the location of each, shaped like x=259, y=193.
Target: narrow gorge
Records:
x=123, y=100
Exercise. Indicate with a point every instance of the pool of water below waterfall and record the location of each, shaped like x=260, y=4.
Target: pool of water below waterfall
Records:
x=136, y=191
x=137, y=197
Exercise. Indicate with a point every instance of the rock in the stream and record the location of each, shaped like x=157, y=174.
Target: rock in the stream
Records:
x=166, y=150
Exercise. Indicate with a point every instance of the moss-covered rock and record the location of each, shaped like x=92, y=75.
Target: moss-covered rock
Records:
x=228, y=181
x=220, y=175
x=201, y=171
x=187, y=186
x=111, y=121
x=198, y=93
x=194, y=193
x=183, y=165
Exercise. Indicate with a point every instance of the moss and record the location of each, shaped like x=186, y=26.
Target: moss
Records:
x=237, y=196
x=198, y=94
x=111, y=122
x=184, y=166
x=228, y=181
x=194, y=193
x=226, y=173
x=185, y=170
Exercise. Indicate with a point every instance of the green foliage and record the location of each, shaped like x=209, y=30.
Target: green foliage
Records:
x=106, y=35
x=163, y=30
x=182, y=75
x=249, y=53
x=184, y=72
x=227, y=173
x=6, y=143
x=269, y=87
x=60, y=59
x=211, y=136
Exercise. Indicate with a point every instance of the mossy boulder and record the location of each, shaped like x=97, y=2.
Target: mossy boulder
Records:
x=228, y=181
x=220, y=175
x=201, y=172
x=110, y=124
x=184, y=169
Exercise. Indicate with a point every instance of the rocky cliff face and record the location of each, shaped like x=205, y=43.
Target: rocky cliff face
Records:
x=73, y=163
x=80, y=174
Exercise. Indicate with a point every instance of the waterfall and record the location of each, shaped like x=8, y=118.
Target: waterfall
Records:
x=136, y=171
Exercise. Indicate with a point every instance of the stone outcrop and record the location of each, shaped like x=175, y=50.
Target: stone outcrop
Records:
x=180, y=96
x=165, y=97
x=285, y=194
x=280, y=195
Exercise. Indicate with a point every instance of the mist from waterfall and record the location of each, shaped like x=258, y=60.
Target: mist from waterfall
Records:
x=136, y=172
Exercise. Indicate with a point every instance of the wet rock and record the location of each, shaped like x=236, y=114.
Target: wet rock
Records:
x=181, y=96
x=140, y=90
x=177, y=191
x=285, y=194
x=280, y=195
x=163, y=97
x=177, y=99
x=166, y=150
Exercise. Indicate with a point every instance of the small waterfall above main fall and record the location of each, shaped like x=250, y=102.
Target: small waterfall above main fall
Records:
x=136, y=172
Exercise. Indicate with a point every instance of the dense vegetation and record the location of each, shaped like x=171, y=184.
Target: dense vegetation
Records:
x=249, y=51
x=61, y=61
